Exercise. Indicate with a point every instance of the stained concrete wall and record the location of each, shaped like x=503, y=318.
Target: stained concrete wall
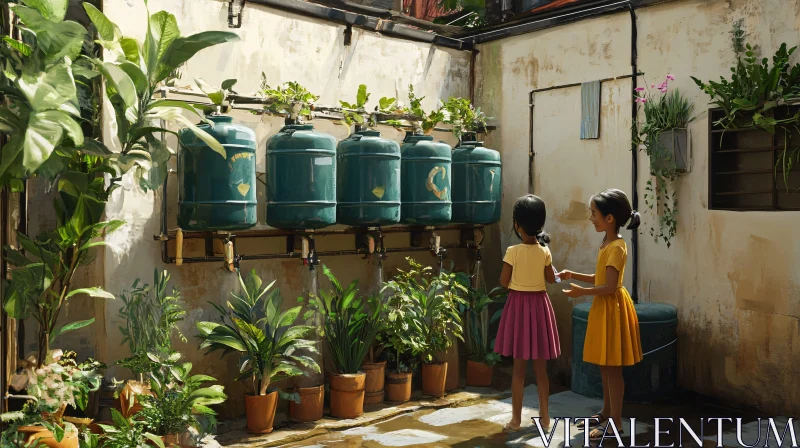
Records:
x=286, y=47
x=732, y=276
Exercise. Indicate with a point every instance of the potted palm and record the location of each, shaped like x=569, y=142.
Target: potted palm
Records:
x=149, y=317
x=178, y=399
x=434, y=301
x=270, y=343
x=479, y=344
x=349, y=325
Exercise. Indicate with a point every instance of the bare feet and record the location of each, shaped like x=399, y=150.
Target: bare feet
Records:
x=543, y=420
x=512, y=426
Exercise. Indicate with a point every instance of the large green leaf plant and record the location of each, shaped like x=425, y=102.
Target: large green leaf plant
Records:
x=350, y=323
x=133, y=72
x=271, y=343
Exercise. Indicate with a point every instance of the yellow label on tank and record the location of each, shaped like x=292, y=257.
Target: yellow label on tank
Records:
x=378, y=192
x=243, y=189
x=441, y=194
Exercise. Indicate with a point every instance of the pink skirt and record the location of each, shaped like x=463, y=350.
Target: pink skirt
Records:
x=528, y=327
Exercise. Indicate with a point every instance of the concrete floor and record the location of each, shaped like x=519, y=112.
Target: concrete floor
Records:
x=475, y=419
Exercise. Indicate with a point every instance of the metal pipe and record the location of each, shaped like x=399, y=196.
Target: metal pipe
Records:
x=272, y=233
x=370, y=23
x=634, y=153
x=297, y=255
x=531, y=153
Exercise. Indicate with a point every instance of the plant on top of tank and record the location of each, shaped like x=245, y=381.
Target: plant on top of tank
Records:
x=270, y=342
x=422, y=121
x=219, y=96
x=463, y=116
x=355, y=112
x=288, y=99
x=350, y=322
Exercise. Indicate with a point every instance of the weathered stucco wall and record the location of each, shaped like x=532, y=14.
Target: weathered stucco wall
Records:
x=732, y=276
x=287, y=48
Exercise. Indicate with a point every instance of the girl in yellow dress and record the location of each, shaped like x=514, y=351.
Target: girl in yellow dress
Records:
x=612, y=333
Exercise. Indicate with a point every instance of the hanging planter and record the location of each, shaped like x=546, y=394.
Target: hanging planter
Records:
x=666, y=141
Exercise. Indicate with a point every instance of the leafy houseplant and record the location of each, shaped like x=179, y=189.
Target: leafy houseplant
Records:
x=178, y=397
x=149, y=319
x=127, y=434
x=433, y=301
x=42, y=283
x=354, y=113
x=270, y=342
x=51, y=387
x=479, y=343
x=750, y=98
x=349, y=326
x=664, y=116
x=426, y=122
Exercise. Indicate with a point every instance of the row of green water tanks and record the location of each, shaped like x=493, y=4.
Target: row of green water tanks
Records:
x=312, y=183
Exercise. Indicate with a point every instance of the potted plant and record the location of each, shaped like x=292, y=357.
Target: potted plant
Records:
x=349, y=326
x=664, y=135
x=270, y=342
x=757, y=95
x=51, y=388
x=124, y=433
x=433, y=302
x=178, y=398
x=479, y=344
x=374, y=367
x=399, y=339
x=149, y=317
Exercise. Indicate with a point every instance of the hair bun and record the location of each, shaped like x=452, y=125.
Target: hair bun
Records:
x=543, y=238
x=636, y=220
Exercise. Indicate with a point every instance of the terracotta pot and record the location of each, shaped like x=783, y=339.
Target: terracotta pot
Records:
x=398, y=387
x=45, y=437
x=374, y=381
x=311, y=404
x=479, y=374
x=433, y=379
x=260, y=410
x=453, y=380
x=95, y=428
x=128, y=398
x=347, y=394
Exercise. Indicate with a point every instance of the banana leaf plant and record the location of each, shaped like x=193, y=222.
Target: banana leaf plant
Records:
x=350, y=323
x=270, y=342
x=133, y=72
x=41, y=113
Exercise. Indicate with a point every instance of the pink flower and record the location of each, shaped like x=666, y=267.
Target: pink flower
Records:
x=652, y=86
x=671, y=77
x=639, y=89
x=663, y=90
x=641, y=100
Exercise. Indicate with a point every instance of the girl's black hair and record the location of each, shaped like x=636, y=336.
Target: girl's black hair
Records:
x=530, y=214
x=615, y=203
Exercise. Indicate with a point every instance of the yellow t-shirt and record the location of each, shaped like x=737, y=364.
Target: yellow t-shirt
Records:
x=528, y=261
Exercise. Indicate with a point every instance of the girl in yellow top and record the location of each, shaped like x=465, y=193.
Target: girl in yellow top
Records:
x=612, y=333
x=527, y=327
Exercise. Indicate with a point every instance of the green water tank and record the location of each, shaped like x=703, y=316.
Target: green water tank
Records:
x=425, y=181
x=301, y=178
x=477, y=184
x=655, y=378
x=217, y=194
x=368, y=180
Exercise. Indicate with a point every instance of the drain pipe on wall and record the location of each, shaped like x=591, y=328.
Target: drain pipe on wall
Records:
x=634, y=153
